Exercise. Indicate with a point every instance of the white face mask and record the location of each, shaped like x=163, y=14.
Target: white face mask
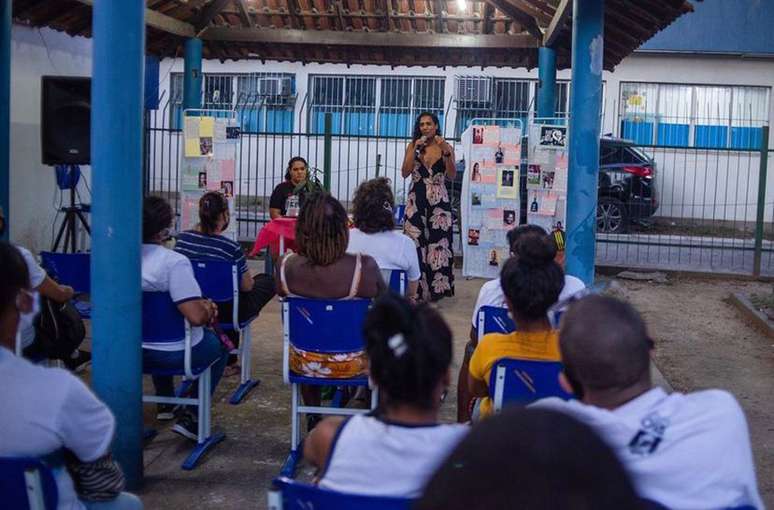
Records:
x=26, y=319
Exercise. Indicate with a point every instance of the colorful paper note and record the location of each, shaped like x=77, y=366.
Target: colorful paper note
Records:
x=207, y=126
x=192, y=148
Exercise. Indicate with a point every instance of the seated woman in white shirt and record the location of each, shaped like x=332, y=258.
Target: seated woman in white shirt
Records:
x=375, y=235
x=48, y=412
x=164, y=270
x=396, y=449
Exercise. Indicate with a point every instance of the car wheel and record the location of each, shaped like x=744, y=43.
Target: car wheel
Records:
x=612, y=217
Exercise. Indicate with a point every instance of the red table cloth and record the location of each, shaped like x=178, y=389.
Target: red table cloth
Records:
x=271, y=232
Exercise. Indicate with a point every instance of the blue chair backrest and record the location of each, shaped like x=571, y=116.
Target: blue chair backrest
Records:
x=398, y=281
x=326, y=325
x=292, y=495
x=73, y=269
x=161, y=320
x=493, y=319
x=25, y=483
x=521, y=381
x=399, y=213
x=215, y=278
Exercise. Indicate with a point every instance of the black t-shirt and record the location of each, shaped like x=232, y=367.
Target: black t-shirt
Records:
x=280, y=195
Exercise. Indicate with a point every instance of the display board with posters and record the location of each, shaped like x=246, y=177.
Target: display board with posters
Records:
x=547, y=176
x=210, y=148
x=490, y=196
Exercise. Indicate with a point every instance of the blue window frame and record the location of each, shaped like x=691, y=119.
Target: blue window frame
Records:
x=705, y=116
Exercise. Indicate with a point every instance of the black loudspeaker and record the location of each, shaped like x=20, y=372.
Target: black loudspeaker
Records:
x=65, y=121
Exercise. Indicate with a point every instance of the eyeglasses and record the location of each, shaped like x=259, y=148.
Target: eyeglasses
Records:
x=25, y=301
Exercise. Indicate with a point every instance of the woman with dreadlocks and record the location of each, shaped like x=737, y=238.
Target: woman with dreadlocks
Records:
x=322, y=269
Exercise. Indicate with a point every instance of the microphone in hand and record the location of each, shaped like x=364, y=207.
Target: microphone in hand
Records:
x=419, y=146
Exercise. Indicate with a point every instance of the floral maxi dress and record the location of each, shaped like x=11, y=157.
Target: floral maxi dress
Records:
x=429, y=224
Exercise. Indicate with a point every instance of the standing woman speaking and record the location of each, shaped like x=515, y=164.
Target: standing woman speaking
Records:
x=429, y=159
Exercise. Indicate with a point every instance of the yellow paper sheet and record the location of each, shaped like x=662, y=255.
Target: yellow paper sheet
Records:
x=192, y=148
x=206, y=126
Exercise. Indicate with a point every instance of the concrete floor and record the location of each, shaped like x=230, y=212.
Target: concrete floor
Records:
x=238, y=472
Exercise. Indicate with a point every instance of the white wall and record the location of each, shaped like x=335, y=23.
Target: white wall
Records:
x=35, y=53
x=39, y=52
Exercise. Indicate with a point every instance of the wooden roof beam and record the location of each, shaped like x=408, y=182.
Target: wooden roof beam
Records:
x=521, y=17
x=362, y=38
x=162, y=22
x=208, y=14
x=244, y=14
x=563, y=12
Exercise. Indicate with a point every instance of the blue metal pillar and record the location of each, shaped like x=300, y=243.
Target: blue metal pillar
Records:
x=116, y=149
x=5, y=112
x=585, y=107
x=546, y=101
x=192, y=77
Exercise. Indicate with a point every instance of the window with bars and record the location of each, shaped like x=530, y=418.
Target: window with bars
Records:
x=367, y=105
x=504, y=99
x=693, y=115
x=263, y=101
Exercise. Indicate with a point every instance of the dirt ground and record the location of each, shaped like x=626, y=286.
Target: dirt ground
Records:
x=701, y=343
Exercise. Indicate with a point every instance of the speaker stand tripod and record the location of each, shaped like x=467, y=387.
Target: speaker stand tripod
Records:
x=73, y=214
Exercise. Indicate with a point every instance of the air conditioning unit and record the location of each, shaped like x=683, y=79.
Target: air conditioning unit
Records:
x=474, y=91
x=275, y=86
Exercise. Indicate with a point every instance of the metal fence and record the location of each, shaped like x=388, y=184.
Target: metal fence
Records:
x=715, y=214
x=715, y=207
x=262, y=158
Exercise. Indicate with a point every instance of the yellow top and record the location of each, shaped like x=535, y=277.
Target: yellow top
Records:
x=536, y=345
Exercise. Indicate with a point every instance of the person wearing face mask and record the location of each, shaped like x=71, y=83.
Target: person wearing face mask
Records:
x=50, y=414
x=206, y=242
x=429, y=160
x=164, y=270
x=296, y=176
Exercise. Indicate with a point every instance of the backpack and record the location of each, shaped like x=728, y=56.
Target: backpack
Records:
x=59, y=329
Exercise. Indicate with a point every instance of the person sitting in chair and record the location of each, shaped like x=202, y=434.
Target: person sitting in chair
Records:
x=375, y=235
x=207, y=242
x=531, y=283
x=491, y=294
x=322, y=269
x=49, y=413
x=682, y=450
x=164, y=270
x=396, y=449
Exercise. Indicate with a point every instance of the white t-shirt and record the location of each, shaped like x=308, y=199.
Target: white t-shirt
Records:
x=390, y=249
x=37, y=275
x=491, y=294
x=373, y=457
x=686, y=451
x=46, y=409
x=164, y=270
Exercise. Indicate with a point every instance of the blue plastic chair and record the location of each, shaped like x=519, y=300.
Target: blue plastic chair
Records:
x=521, y=381
x=73, y=269
x=321, y=326
x=287, y=494
x=493, y=319
x=163, y=322
x=397, y=282
x=27, y=483
x=219, y=281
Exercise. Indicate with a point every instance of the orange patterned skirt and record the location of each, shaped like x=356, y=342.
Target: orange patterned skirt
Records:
x=343, y=365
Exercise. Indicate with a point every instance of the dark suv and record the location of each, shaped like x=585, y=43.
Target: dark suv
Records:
x=626, y=192
x=627, y=188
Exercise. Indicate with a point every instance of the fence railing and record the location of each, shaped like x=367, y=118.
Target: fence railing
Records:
x=715, y=207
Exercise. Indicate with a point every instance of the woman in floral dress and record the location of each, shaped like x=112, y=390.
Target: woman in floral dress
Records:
x=429, y=158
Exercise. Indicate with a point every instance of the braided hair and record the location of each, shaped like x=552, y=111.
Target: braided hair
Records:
x=372, y=206
x=322, y=231
x=211, y=206
x=409, y=350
